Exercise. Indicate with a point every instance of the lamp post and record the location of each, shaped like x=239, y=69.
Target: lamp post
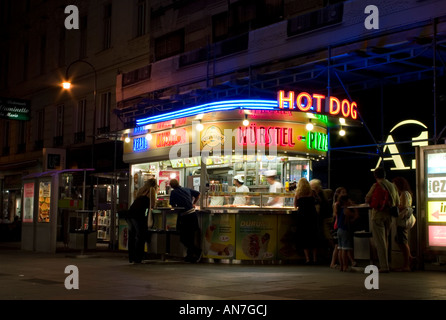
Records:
x=67, y=85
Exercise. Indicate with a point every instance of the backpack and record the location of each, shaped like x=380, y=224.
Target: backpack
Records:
x=380, y=198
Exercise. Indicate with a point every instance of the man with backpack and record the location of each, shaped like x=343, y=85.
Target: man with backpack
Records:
x=382, y=197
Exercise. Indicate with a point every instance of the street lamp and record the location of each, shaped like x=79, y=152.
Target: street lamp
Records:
x=67, y=85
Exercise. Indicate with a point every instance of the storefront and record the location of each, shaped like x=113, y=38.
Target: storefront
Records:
x=206, y=146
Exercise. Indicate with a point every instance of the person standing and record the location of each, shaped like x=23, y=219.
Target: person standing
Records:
x=402, y=233
x=137, y=220
x=306, y=220
x=381, y=217
x=240, y=187
x=187, y=221
x=274, y=187
x=345, y=218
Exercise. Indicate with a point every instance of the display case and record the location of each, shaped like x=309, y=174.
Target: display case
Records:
x=249, y=200
x=102, y=223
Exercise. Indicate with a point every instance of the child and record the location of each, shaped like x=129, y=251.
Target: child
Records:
x=345, y=217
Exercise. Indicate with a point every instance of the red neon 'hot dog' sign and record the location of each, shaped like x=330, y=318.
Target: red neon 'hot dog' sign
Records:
x=306, y=102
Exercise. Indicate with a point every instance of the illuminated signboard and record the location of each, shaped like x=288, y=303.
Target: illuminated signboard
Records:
x=317, y=141
x=436, y=163
x=436, y=187
x=437, y=236
x=436, y=211
x=306, y=102
x=140, y=144
x=15, y=109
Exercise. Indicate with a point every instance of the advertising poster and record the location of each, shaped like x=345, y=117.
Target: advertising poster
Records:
x=219, y=236
x=436, y=187
x=436, y=163
x=436, y=211
x=123, y=235
x=437, y=236
x=286, y=249
x=28, y=206
x=256, y=237
x=44, y=201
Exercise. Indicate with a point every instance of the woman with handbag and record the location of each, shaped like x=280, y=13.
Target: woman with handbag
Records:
x=404, y=221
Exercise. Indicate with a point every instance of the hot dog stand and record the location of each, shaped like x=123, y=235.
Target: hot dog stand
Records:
x=206, y=146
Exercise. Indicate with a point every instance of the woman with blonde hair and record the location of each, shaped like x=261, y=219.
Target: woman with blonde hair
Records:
x=137, y=220
x=306, y=220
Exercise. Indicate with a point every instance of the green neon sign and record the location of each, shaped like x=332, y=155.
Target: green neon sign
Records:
x=317, y=141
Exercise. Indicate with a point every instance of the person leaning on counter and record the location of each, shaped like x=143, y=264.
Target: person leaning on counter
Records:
x=240, y=187
x=274, y=187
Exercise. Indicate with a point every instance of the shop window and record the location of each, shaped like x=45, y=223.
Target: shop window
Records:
x=169, y=45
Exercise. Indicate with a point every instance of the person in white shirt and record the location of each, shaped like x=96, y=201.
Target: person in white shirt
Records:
x=239, y=187
x=273, y=188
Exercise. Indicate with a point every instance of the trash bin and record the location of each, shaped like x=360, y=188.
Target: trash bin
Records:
x=361, y=245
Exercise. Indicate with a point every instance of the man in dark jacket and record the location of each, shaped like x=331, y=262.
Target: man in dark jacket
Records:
x=187, y=223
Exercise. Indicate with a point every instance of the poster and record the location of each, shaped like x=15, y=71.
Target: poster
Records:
x=44, y=201
x=28, y=206
x=436, y=211
x=219, y=236
x=256, y=237
x=286, y=235
x=436, y=163
x=436, y=187
x=437, y=236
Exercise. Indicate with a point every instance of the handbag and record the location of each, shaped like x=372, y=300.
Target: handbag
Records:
x=406, y=218
x=150, y=218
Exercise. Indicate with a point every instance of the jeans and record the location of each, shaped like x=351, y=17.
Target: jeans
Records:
x=137, y=239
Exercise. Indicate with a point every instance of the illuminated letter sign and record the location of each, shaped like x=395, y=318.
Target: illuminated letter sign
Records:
x=306, y=102
x=140, y=144
x=317, y=141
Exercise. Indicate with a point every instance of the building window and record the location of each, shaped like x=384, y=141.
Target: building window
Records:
x=104, y=113
x=142, y=18
x=58, y=135
x=81, y=110
x=83, y=38
x=21, y=147
x=169, y=45
x=42, y=54
x=6, y=137
x=40, y=129
x=25, y=61
x=62, y=37
x=107, y=25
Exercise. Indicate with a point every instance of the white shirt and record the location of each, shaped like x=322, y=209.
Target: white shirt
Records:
x=241, y=200
x=273, y=189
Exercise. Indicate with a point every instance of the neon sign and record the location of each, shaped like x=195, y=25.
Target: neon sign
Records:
x=306, y=102
x=166, y=139
x=140, y=144
x=317, y=141
x=265, y=135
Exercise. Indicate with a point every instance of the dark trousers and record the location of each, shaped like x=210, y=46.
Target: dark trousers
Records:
x=190, y=235
x=137, y=238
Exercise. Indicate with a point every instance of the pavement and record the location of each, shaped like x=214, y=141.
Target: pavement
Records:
x=108, y=276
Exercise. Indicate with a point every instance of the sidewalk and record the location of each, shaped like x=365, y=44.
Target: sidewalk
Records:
x=109, y=276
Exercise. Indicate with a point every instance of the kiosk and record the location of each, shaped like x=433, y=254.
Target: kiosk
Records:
x=47, y=204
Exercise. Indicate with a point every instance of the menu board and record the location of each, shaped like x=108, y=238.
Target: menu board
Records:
x=256, y=237
x=28, y=202
x=44, y=201
x=219, y=236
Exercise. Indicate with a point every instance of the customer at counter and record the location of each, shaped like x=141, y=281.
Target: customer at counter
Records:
x=274, y=187
x=240, y=187
x=187, y=222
